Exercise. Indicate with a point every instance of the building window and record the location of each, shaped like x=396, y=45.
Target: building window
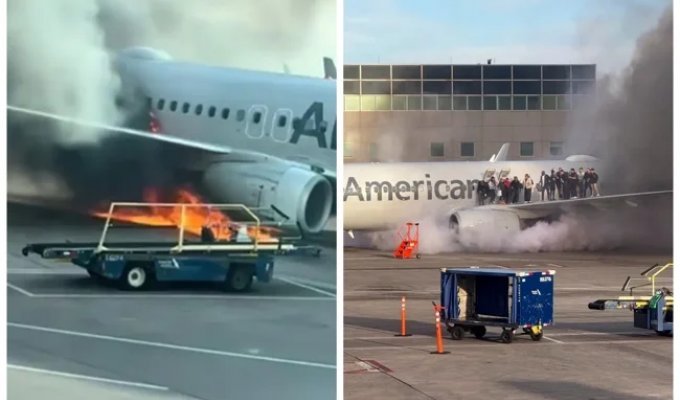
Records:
x=352, y=87
x=444, y=103
x=526, y=149
x=375, y=72
x=556, y=87
x=240, y=115
x=534, y=102
x=351, y=72
x=211, y=111
x=497, y=72
x=460, y=103
x=549, y=103
x=556, y=72
x=436, y=149
x=504, y=103
x=414, y=103
x=563, y=103
x=526, y=72
x=475, y=103
x=406, y=72
x=375, y=103
x=555, y=148
x=161, y=104
x=526, y=87
x=467, y=72
x=467, y=149
x=173, y=105
x=406, y=87
x=199, y=109
x=490, y=103
x=497, y=87
x=436, y=87
x=347, y=149
x=583, y=72
x=375, y=87
x=436, y=72
x=373, y=152
x=519, y=103
x=467, y=87
x=225, y=113
x=429, y=102
x=352, y=103
x=399, y=103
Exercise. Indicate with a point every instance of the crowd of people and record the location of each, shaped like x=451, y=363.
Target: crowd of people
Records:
x=560, y=185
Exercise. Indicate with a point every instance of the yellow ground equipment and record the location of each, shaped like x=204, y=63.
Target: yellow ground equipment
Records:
x=654, y=312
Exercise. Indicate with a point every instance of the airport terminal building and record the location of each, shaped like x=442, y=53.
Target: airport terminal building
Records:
x=461, y=112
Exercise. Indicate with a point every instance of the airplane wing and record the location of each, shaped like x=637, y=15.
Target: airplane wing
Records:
x=502, y=153
x=542, y=209
x=226, y=153
x=232, y=160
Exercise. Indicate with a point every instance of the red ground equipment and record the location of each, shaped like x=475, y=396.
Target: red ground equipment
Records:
x=408, y=247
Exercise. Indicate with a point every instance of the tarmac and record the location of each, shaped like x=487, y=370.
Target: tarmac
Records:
x=70, y=337
x=587, y=354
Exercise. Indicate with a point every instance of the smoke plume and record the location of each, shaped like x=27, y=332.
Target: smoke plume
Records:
x=60, y=60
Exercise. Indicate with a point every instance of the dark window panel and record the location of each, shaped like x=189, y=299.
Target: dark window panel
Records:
x=406, y=87
x=225, y=113
x=497, y=87
x=504, y=103
x=436, y=149
x=519, y=103
x=527, y=87
x=467, y=87
x=161, y=104
x=475, y=103
x=497, y=71
x=211, y=111
x=406, y=72
x=467, y=72
x=351, y=87
x=185, y=108
x=583, y=87
x=490, y=103
x=555, y=87
x=526, y=149
x=526, y=72
x=173, y=105
x=436, y=72
x=467, y=149
x=555, y=72
x=534, y=102
x=429, y=102
x=375, y=87
x=582, y=72
x=436, y=87
x=351, y=72
x=375, y=72
x=199, y=109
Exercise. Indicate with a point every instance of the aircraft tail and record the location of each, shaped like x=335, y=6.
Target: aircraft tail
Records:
x=329, y=70
x=502, y=154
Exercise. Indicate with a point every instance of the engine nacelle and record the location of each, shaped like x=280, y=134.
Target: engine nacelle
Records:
x=472, y=223
x=303, y=196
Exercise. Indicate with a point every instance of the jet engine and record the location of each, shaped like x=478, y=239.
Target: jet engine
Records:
x=303, y=196
x=484, y=222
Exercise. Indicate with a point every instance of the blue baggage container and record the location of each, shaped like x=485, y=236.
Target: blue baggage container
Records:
x=476, y=297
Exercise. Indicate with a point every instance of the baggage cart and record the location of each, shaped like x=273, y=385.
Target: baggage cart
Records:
x=476, y=298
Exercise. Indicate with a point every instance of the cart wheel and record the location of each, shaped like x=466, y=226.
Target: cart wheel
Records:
x=479, y=331
x=239, y=278
x=536, y=336
x=457, y=332
x=506, y=336
x=418, y=256
x=135, y=277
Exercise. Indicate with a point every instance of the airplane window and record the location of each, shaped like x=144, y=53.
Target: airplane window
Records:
x=211, y=111
x=199, y=109
x=282, y=121
x=240, y=115
x=173, y=105
x=225, y=113
x=161, y=104
x=257, y=117
x=185, y=108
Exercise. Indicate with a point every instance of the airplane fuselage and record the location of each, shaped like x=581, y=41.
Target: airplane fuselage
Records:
x=380, y=196
x=286, y=116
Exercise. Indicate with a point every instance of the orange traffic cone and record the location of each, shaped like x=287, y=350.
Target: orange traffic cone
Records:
x=403, y=318
x=438, y=330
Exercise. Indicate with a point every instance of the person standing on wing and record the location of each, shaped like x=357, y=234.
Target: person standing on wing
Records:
x=528, y=185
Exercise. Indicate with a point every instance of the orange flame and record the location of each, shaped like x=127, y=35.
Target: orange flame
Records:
x=195, y=218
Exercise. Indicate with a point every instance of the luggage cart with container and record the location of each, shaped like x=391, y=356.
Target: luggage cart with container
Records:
x=476, y=298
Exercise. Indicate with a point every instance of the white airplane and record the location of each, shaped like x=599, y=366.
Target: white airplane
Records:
x=266, y=140
x=383, y=196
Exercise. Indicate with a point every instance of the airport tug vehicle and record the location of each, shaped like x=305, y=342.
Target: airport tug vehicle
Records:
x=475, y=298
x=232, y=260
x=653, y=312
